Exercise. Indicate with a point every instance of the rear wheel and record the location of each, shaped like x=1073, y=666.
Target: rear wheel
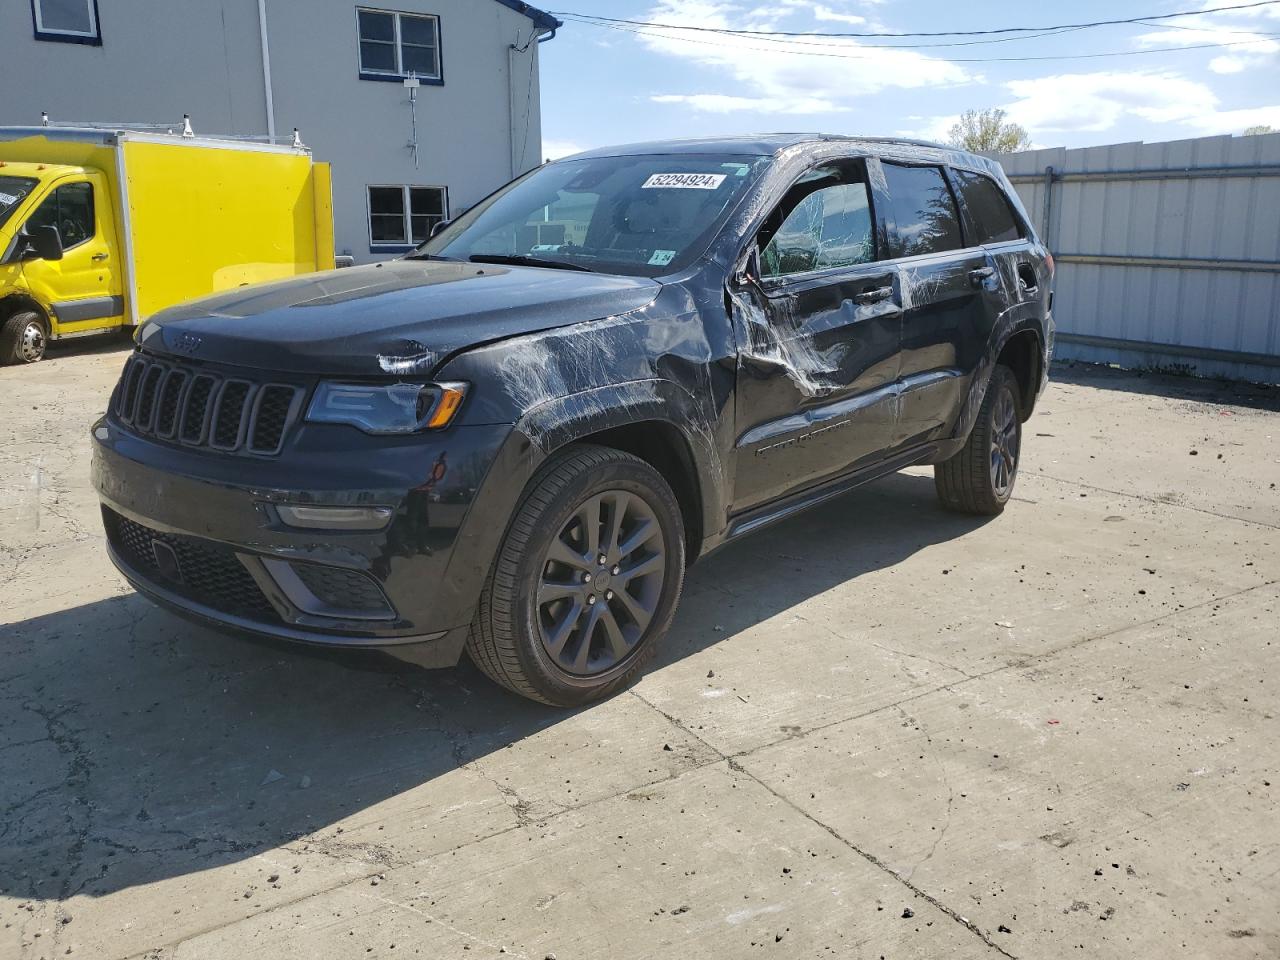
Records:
x=23, y=338
x=586, y=581
x=979, y=479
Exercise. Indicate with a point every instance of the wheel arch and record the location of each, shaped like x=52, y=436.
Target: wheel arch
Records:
x=1025, y=335
x=654, y=420
x=17, y=302
x=1023, y=353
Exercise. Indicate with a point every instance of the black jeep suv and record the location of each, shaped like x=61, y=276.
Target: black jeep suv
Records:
x=513, y=440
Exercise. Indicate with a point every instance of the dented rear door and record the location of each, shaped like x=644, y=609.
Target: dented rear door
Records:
x=940, y=286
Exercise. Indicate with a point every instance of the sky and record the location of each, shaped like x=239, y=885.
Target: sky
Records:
x=605, y=85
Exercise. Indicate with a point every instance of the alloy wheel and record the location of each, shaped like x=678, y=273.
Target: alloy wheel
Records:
x=601, y=583
x=1004, y=442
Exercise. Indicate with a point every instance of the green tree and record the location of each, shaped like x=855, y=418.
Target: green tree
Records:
x=987, y=131
x=1260, y=128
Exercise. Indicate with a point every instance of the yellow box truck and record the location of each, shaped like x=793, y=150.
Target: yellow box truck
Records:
x=100, y=228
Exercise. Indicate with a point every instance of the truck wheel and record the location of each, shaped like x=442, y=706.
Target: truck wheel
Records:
x=23, y=338
x=586, y=581
x=979, y=479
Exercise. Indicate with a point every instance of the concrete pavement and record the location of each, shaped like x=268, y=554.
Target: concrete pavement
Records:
x=875, y=730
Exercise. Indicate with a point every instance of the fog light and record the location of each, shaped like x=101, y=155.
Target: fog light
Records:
x=335, y=518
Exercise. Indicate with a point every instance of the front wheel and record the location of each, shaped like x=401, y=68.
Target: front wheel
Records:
x=586, y=581
x=979, y=479
x=23, y=338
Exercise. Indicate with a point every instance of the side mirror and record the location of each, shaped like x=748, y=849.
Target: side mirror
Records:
x=440, y=226
x=45, y=242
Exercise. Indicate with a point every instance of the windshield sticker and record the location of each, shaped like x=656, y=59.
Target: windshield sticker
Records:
x=7, y=198
x=739, y=169
x=684, y=181
x=661, y=258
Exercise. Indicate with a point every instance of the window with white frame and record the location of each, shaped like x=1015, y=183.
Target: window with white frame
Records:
x=403, y=215
x=73, y=20
x=398, y=44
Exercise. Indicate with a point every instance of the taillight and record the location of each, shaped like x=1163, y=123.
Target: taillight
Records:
x=1048, y=262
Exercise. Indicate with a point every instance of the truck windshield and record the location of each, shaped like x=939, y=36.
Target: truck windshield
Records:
x=12, y=190
x=635, y=215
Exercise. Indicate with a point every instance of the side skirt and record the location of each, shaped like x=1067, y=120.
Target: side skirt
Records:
x=752, y=520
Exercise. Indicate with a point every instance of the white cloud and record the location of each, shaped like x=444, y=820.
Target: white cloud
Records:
x=723, y=103
x=1235, y=121
x=768, y=75
x=1228, y=64
x=826, y=13
x=555, y=149
x=1101, y=102
x=1244, y=48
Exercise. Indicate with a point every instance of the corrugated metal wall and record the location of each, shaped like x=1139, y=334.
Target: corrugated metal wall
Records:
x=1168, y=253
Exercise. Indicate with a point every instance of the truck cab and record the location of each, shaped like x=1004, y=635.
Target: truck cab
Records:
x=95, y=225
x=59, y=257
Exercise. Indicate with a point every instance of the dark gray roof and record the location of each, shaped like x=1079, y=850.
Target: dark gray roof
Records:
x=767, y=144
x=540, y=18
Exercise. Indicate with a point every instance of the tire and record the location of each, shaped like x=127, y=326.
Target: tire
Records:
x=980, y=478
x=23, y=338
x=545, y=632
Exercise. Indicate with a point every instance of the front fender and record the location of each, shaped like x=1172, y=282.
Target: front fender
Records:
x=564, y=420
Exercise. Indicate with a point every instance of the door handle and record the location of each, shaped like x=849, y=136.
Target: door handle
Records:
x=977, y=277
x=99, y=256
x=874, y=295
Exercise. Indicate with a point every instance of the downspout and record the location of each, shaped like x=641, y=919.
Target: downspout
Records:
x=266, y=70
x=541, y=36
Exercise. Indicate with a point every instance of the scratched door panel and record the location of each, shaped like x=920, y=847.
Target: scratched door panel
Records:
x=944, y=312
x=816, y=382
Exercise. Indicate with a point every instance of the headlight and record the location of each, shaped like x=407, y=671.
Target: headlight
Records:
x=387, y=408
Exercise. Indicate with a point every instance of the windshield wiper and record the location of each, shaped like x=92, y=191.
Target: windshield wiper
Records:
x=521, y=260
x=432, y=256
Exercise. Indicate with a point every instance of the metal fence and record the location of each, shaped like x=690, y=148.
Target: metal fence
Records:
x=1168, y=254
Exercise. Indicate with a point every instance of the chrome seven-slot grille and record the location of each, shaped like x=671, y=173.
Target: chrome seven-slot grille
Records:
x=198, y=408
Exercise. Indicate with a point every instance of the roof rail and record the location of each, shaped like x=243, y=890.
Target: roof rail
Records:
x=182, y=128
x=907, y=142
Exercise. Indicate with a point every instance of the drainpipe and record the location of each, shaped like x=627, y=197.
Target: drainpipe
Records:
x=541, y=35
x=266, y=70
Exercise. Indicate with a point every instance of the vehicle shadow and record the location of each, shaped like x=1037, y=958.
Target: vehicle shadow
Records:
x=113, y=342
x=1197, y=389
x=139, y=748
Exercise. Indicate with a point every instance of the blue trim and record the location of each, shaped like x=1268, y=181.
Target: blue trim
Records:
x=67, y=37
x=401, y=78
x=540, y=18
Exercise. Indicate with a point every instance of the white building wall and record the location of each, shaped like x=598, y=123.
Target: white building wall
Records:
x=160, y=59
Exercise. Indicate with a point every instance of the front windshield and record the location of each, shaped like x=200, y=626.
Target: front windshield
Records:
x=635, y=215
x=12, y=190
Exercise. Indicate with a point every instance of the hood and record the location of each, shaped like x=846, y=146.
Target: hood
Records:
x=401, y=317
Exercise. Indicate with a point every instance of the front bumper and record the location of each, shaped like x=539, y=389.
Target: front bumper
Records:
x=199, y=533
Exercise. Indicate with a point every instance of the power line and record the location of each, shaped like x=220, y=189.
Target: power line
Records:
x=941, y=33
x=853, y=56
x=790, y=42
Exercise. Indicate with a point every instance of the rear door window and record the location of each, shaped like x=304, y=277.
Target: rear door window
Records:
x=923, y=210
x=990, y=214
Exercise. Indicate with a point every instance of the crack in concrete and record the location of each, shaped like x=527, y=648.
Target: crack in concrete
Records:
x=733, y=764
x=734, y=760
x=951, y=793
x=1156, y=501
